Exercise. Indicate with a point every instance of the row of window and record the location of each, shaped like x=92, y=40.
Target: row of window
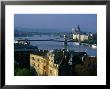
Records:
x=44, y=67
x=43, y=60
x=37, y=59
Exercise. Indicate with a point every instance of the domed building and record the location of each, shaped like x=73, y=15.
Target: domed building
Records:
x=78, y=36
x=78, y=30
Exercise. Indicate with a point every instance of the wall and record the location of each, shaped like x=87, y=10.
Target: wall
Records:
x=43, y=66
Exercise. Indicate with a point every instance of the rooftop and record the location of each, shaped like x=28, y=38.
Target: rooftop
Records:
x=23, y=47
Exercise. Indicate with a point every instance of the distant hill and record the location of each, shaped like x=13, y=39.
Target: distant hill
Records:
x=42, y=30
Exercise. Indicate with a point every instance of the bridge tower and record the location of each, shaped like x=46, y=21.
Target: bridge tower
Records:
x=65, y=43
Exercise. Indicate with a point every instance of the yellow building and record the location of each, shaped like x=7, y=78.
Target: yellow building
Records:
x=44, y=66
x=84, y=37
x=81, y=37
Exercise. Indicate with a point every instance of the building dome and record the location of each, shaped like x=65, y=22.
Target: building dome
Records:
x=73, y=30
x=78, y=29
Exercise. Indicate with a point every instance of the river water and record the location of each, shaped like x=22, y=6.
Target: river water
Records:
x=50, y=45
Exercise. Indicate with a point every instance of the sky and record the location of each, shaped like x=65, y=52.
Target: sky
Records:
x=56, y=22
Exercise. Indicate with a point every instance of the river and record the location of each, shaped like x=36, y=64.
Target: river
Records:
x=50, y=45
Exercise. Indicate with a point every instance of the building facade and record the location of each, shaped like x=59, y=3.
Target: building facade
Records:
x=44, y=66
x=80, y=37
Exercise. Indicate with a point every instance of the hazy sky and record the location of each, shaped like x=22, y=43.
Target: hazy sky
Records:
x=63, y=22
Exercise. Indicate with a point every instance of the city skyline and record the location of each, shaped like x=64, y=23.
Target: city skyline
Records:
x=56, y=22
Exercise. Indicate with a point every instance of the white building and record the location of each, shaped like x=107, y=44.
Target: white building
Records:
x=77, y=35
x=81, y=37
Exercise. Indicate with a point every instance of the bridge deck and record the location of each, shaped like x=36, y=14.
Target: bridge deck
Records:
x=48, y=40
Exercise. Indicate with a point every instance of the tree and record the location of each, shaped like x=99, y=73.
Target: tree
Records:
x=23, y=72
x=88, y=68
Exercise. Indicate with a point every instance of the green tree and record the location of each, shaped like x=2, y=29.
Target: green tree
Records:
x=88, y=68
x=23, y=72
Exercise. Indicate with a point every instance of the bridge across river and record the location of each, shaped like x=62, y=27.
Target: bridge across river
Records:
x=48, y=40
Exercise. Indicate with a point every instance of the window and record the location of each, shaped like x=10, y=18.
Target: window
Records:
x=51, y=60
x=50, y=71
x=33, y=58
x=44, y=67
x=38, y=65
